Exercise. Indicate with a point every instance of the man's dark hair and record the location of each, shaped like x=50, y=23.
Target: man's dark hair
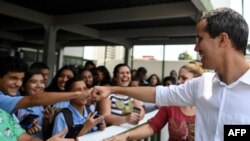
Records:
x=228, y=21
x=12, y=64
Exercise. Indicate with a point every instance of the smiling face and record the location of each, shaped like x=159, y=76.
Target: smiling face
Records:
x=35, y=84
x=87, y=77
x=206, y=46
x=123, y=76
x=63, y=78
x=11, y=82
x=79, y=86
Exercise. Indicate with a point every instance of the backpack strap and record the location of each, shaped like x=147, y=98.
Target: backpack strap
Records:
x=68, y=117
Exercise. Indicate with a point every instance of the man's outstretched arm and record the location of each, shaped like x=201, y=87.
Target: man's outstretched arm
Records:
x=146, y=94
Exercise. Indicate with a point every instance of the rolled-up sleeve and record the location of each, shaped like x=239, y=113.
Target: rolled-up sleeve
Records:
x=159, y=120
x=181, y=95
x=160, y=96
x=8, y=103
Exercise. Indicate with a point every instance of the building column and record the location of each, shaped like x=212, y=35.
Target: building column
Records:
x=60, y=57
x=128, y=55
x=163, y=63
x=49, y=56
x=12, y=52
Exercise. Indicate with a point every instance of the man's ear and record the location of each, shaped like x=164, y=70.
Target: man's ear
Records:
x=224, y=39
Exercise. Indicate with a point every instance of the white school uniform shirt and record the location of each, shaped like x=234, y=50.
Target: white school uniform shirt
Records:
x=217, y=103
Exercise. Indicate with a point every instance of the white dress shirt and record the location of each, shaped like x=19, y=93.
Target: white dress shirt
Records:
x=216, y=103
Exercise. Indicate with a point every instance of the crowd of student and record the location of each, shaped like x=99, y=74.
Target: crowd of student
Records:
x=24, y=91
x=66, y=103
x=20, y=81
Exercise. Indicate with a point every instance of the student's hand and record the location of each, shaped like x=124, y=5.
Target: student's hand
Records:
x=102, y=126
x=48, y=113
x=133, y=118
x=98, y=93
x=120, y=137
x=90, y=123
x=59, y=136
x=36, y=128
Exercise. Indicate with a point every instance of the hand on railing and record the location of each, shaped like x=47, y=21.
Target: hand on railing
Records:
x=133, y=118
x=120, y=137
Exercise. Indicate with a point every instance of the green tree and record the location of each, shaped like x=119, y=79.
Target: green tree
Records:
x=185, y=56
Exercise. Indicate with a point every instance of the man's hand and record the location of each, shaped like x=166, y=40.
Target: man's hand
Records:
x=99, y=93
x=84, y=94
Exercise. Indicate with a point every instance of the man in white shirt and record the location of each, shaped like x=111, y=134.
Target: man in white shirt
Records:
x=220, y=98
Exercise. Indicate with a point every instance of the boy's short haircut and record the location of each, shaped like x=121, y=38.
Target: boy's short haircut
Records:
x=11, y=64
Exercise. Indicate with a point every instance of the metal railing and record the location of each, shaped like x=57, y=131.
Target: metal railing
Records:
x=114, y=130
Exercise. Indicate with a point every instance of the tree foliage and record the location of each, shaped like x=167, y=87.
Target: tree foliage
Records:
x=185, y=56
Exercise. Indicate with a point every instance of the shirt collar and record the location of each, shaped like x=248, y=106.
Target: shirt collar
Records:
x=3, y=93
x=78, y=115
x=244, y=78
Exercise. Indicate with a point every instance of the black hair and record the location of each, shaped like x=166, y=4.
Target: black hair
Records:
x=105, y=71
x=70, y=82
x=53, y=87
x=169, y=78
x=89, y=63
x=12, y=64
x=39, y=66
x=228, y=21
x=157, y=77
